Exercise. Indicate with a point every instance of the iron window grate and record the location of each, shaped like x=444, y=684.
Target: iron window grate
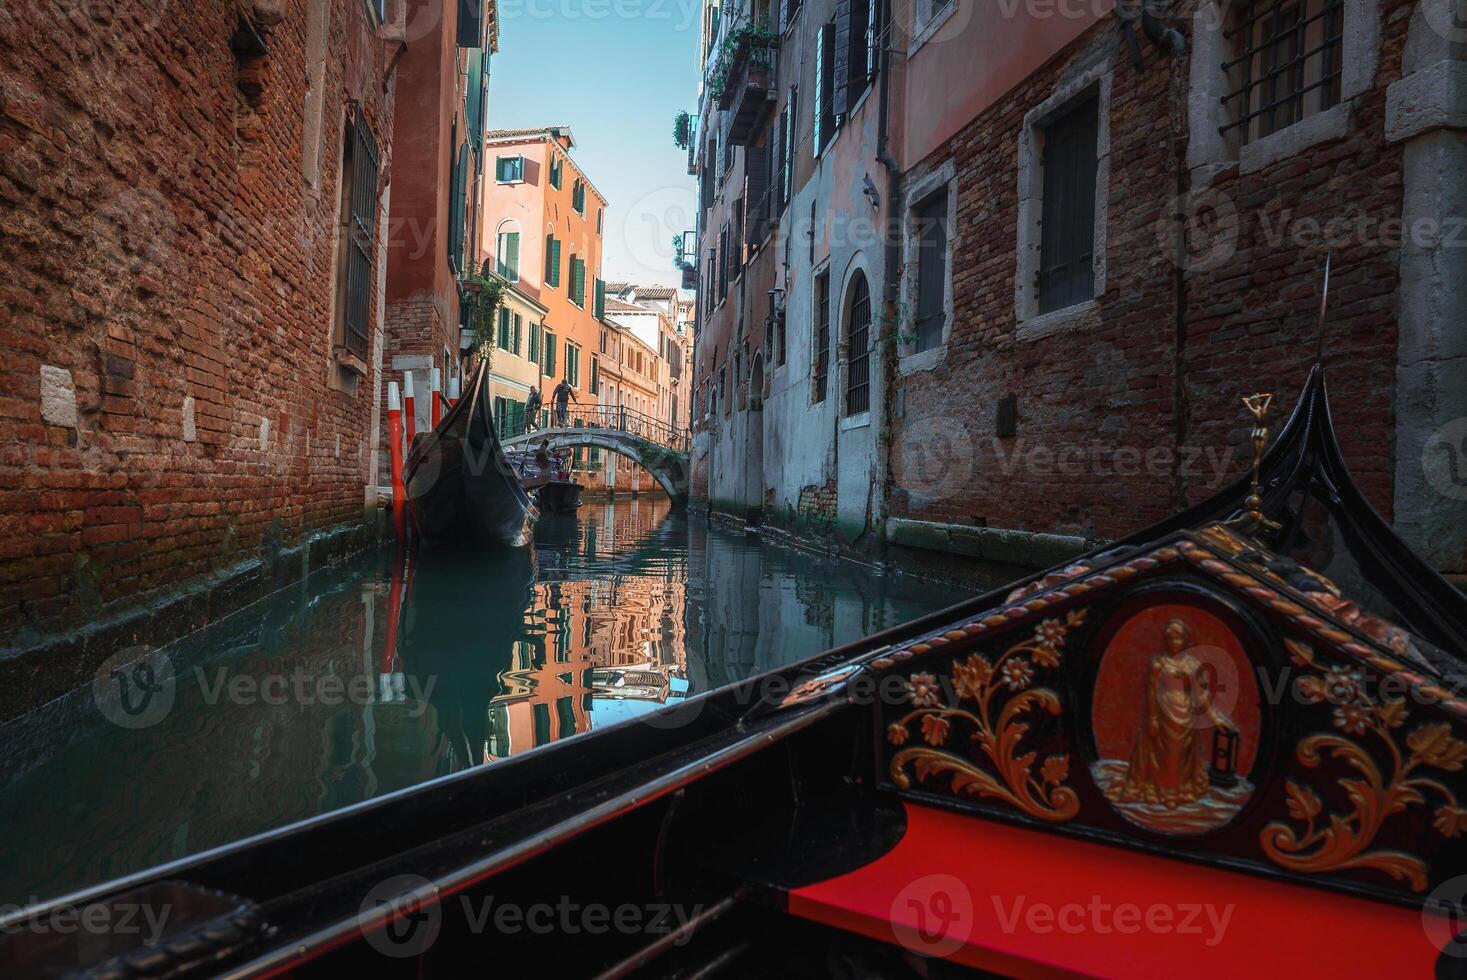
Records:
x=1289, y=50
x=858, y=375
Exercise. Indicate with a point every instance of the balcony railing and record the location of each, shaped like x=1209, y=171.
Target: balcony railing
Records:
x=751, y=90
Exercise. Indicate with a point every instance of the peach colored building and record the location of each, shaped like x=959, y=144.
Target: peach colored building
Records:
x=542, y=231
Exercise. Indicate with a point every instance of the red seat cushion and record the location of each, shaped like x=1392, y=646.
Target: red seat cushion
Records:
x=1030, y=904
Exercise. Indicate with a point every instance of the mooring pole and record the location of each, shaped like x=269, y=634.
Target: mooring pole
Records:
x=394, y=446
x=409, y=409
x=435, y=388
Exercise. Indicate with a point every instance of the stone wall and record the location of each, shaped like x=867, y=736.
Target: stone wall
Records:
x=171, y=401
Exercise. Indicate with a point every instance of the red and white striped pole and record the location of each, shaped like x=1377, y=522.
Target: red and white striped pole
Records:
x=394, y=447
x=453, y=390
x=409, y=409
x=435, y=389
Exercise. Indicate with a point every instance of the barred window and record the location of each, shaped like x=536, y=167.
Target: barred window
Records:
x=822, y=334
x=1288, y=64
x=359, y=218
x=858, y=341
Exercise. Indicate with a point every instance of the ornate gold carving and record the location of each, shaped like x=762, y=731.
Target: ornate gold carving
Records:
x=996, y=728
x=1345, y=840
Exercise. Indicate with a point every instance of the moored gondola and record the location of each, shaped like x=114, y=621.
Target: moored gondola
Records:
x=463, y=492
x=1232, y=738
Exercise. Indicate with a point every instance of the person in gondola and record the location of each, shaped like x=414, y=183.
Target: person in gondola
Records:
x=543, y=460
x=563, y=395
x=532, y=410
x=1169, y=761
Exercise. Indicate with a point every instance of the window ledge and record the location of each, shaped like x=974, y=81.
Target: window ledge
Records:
x=498, y=181
x=1081, y=316
x=932, y=27
x=1322, y=127
x=924, y=360
x=348, y=361
x=859, y=421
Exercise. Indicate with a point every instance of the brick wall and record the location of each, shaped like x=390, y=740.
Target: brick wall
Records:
x=1117, y=417
x=169, y=403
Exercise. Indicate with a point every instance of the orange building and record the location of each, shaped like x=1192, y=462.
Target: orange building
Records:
x=542, y=230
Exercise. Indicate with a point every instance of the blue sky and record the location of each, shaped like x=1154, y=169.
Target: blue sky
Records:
x=616, y=72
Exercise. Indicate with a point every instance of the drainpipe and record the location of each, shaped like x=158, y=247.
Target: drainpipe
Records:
x=892, y=269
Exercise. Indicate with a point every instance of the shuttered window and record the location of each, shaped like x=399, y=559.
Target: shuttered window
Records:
x=1067, y=232
x=595, y=378
x=549, y=368
x=503, y=339
x=929, y=220
x=756, y=194
x=359, y=173
x=533, y=354
x=552, y=261
x=508, y=169
x=578, y=281
x=457, y=208
x=600, y=299
x=827, y=117
x=556, y=172
x=578, y=196
x=508, y=259
x=514, y=338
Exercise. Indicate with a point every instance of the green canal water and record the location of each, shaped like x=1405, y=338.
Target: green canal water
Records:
x=378, y=674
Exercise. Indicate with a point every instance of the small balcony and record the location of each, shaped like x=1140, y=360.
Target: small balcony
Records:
x=751, y=91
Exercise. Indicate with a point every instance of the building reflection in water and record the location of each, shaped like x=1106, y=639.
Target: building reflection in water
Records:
x=436, y=665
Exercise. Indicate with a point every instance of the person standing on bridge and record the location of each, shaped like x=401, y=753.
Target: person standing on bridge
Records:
x=562, y=396
x=532, y=410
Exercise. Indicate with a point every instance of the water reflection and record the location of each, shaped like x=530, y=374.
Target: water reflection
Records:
x=384, y=672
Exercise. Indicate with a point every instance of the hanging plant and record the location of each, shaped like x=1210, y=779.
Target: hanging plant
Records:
x=734, y=43
x=486, y=294
x=678, y=262
x=682, y=130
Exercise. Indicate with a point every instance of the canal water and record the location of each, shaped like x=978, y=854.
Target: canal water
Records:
x=376, y=674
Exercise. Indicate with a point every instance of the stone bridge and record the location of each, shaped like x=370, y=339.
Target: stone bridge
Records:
x=661, y=451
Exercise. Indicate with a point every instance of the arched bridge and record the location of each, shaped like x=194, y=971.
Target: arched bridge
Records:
x=660, y=449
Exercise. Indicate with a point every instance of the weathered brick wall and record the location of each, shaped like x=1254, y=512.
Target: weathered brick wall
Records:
x=1116, y=421
x=163, y=259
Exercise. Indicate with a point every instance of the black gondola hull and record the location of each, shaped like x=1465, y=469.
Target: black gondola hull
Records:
x=462, y=491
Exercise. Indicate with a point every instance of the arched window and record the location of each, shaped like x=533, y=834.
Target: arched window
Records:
x=858, y=346
x=507, y=251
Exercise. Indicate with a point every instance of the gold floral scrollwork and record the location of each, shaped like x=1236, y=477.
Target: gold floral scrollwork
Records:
x=1342, y=841
x=977, y=681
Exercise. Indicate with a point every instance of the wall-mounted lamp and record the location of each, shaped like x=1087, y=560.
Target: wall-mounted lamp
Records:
x=868, y=187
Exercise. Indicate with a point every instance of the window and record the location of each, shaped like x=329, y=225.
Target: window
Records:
x=858, y=347
x=508, y=255
x=578, y=281
x=534, y=352
x=552, y=260
x=600, y=310
x=514, y=339
x=509, y=170
x=573, y=365
x=929, y=220
x=458, y=207
x=359, y=219
x=600, y=219
x=854, y=53
x=503, y=339
x=825, y=113
x=1067, y=230
x=549, y=367
x=578, y=196
x=1289, y=64
x=595, y=376
x=557, y=167
x=822, y=334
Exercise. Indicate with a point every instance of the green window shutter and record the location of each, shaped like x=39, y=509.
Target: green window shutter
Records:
x=552, y=261
x=515, y=336
x=503, y=339
x=600, y=218
x=595, y=376
x=549, y=354
x=512, y=256
x=600, y=299
x=578, y=281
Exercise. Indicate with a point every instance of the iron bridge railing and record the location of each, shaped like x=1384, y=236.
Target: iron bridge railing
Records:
x=608, y=418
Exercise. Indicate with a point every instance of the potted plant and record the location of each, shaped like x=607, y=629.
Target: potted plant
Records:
x=682, y=130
